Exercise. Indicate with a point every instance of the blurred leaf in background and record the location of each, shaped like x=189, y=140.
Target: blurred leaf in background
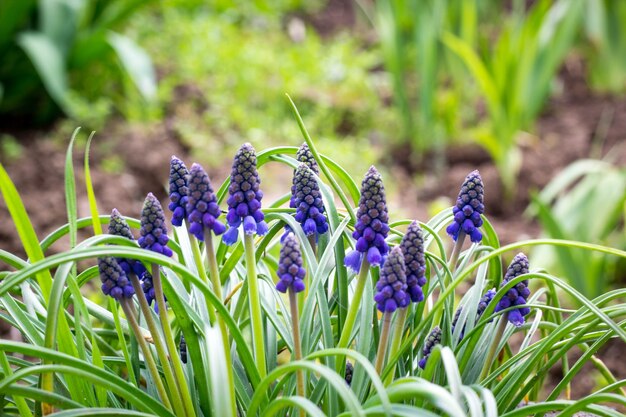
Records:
x=59, y=54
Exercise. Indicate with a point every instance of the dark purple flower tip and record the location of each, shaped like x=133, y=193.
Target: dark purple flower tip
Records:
x=353, y=260
x=153, y=229
x=290, y=271
x=115, y=283
x=307, y=199
x=371, y=228
x=202, y=204
x=391, y=286
x=179, y=178
x=182, y=347
x=244, y=201
x=469, y=206
x=305, y=156
x=119, y=227
x=349, y=373
x=413, y=250
x=433, y=339
x=518, y=295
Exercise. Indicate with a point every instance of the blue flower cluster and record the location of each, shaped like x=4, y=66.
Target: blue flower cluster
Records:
x=372, y=227
x=119, y=227
x=244, y=201
x=182, y=346
x=308, y=202
x=202, y=207
x=179, y=177
x=391, y=288
x=115, y=283
x=413, y=250
x=148, y=288
x=469, y=206
x=290, y=271
x=433, y=339
x=518, y=295
x=153, y=229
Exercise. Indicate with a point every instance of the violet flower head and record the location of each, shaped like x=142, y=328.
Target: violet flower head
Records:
x=305, y=156
x=469, y=206
x=413, y=250
x=179, y=179
x=290, y=271
x=202, y=207
x=349, y=373
x=119, y=227
x=391, y=288
x=244, y=201
x=115, y=283
x=182, y=346
x=153, y=229
x=518, y=295
x=371, y=228
x=433, y=339
x=308, y=202
x=148, y=287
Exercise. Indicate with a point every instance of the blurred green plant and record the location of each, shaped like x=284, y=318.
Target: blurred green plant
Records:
x=606, y=49
x=62, y=55
x=586, y=202
x=516, y=71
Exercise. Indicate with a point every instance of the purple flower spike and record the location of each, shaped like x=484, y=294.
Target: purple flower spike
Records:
x=434, y=338
x=115, y=283
x=244, y=201
x=517, y=295
x=148, y=287
x=179, y=180
x=119, y=227
x=469, y=206
x=413, y=250
x=371, y=228
x=391, y=288
x=307, y=199
x=153, y=229
x=290, y=271
x=202, y=207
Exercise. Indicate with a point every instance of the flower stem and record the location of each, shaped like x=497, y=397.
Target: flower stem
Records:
x=197, y=257
x=217, y=289
x=344, y=340
x=255, y=306
x=297, y=347
x=456, y=251
x=147, y=355
x=493, y=350
x=383, y=341
x=158, y=343
x=171, y=345
x=398, y=332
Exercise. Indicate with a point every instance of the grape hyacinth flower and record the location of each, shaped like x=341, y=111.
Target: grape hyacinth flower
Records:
x=115, y=283
x=391, y=288
x=371, y=228
x=182, y=346
x=307, y=199
x=469, y=206
x=179, y=179
x=153, y=229
x=290, y=270
x=148, y=288
x=482, y=306
x=303, y=156
x=413, y=250
x=349, y=373
x=518, y=295
x=119, y=227
x=244, y=201
x=202, y=207
x=434, y=338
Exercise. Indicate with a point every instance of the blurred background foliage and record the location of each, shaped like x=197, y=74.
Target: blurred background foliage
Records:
x=402, y=82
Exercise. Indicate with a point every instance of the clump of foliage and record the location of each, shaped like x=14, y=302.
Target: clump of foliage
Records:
x=204, y=328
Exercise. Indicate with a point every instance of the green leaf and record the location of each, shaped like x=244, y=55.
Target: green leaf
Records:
x=136, y=62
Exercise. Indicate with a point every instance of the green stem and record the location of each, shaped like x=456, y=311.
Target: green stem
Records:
x=217, y=289
x=171, y=345
x=383, y=342
x=147, y=355
x=297, y=346
x=197, y=257
x=456, y=251
x=493, y=350
x=158, y=343
x=398, y=332
x=255, y=306
x=344, y=340
x=20, y=402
